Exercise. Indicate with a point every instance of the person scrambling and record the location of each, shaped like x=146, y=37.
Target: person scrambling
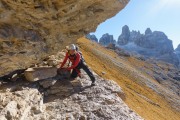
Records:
x=76, y=58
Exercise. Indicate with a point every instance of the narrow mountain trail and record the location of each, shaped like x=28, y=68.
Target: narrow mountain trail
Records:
x=137, y=85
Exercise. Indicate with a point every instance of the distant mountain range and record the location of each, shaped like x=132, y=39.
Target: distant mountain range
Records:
x=150, y=44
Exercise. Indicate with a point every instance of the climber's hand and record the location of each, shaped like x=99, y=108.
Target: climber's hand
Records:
x=67, y=69
x=59, y=70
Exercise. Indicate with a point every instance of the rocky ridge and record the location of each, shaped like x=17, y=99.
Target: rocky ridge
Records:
x=32, y=30
x=60, y=98
x=151, y=44
x=178, y=48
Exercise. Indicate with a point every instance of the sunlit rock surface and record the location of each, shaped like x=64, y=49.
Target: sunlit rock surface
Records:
x=30, y=30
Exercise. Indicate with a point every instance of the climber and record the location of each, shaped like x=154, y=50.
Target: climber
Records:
x=75, y=57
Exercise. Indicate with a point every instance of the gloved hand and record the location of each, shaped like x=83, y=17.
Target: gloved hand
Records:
x=68, y=69
x=59, y=70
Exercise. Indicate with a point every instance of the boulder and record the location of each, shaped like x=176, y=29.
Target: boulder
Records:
x=47, y=83
x=40, y=73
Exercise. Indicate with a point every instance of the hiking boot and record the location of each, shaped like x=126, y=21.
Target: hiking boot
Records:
x=93, y=84
x=71, y=78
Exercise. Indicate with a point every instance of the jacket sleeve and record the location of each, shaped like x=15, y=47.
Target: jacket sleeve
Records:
x=65, y=60
x=76, y=62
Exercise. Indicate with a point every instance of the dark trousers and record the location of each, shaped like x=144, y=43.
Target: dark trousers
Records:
x=83, y=66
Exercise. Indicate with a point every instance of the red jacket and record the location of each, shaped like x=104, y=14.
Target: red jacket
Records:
x=75, y=59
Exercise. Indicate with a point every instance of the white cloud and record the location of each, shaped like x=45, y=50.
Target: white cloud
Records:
x=171, y=3
x=163, y=5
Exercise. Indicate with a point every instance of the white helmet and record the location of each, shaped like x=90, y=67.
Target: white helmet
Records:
x=72, y=47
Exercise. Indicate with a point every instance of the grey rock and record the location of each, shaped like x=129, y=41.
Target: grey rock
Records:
x=114, y=88
x=11, y=109
x=25, y=113
x=103, y=101
x=47, y=83
x=156, y=41
x=178, y=48
x=124, y=37
x=106, y=39
x=70, y=99
x=134, y=35
x=167, y=76
x=103, y=73
x=177, y=52
x=92, y=37
x=148, y=31
x=14, y=77
x=66, y=100
x=151, y=44
x=122, y=52
x=2, y=117
x=23, y=101
x=39, y=73
x=170, y=58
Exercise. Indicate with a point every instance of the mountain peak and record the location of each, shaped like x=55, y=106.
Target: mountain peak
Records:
x=178, y=48
x=124, y=37
x=148, y=31
x=92, y=37
x=106, y=39
x=125, y=30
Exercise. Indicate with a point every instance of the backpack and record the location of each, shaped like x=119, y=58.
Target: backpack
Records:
x=82, y=58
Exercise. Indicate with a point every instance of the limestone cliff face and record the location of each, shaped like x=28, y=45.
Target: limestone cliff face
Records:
x=30, y=30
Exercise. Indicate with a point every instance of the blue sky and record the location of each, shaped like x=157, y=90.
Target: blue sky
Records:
x=159, y=15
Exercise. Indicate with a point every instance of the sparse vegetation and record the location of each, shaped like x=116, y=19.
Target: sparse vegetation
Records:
x=130, y=82
x=16, y=42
